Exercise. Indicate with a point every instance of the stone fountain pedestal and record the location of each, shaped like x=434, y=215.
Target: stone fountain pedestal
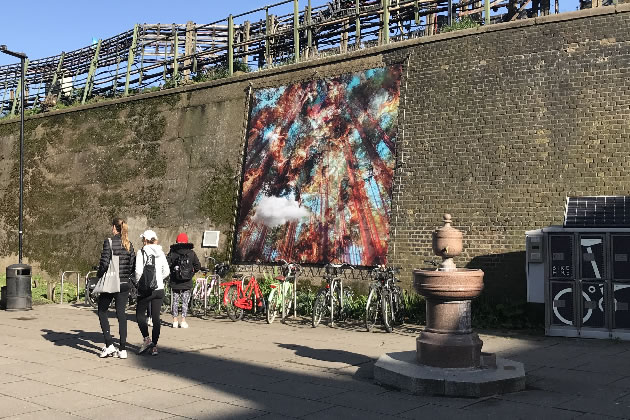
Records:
x=448, y=358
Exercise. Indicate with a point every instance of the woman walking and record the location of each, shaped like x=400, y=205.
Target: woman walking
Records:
x=118, y=245
x=151, y=259
x=184, y=263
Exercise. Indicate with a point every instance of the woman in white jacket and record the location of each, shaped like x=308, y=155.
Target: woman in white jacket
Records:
x=150, y=254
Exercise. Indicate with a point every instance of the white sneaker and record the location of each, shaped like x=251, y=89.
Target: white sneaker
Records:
x=108, y=351
x=184, y=324
x=146, y=344
x=175, y=325
x=150, y=322
x=122, y=354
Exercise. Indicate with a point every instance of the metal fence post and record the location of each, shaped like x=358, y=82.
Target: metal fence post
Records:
x=267, y=58
x=176, y=53
x=357, y=24
x=296, y=31
x=416, y=13
x=487, y=12
x=309, y=31
x=56, y=75
x=230, y=45
x=386, y=21
x=130, y=58
x=90, y=78
x=18, y=92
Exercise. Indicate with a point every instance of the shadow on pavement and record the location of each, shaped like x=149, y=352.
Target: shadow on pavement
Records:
x=327, y=355
x=287, y=386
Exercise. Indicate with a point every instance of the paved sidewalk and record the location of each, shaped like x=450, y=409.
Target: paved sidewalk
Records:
x=49, y=368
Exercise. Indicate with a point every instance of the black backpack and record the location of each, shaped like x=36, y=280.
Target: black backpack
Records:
x=148, y=281
x=183, y=269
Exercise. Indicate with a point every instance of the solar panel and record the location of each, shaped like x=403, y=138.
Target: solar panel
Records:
x=598, y=211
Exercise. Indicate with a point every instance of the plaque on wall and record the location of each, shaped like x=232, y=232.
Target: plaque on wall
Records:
x=561, y=250
x=593, y=306
x=562, y=303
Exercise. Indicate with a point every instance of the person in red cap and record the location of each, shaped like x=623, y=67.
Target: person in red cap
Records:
x=184, y=264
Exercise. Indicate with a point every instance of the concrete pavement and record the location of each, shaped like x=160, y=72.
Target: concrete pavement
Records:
x=49, y=368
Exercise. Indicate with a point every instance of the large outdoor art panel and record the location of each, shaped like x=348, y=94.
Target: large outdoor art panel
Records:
x=318, y=170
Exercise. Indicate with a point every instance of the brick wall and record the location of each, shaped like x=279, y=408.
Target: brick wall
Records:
x=497, y=125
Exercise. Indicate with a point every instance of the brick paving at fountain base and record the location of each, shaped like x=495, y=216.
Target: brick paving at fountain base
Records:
x=49, y=368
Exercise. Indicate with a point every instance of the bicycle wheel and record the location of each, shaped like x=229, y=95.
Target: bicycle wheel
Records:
x=288, y=299
x=398, y=303
x=337, y=309
x=166, y=302
x=386, y=309
x=215, y=296
x=235, y=313
x=319, y=307
x=272, y=308
x=372, y=309
x=92, y=299
x=196, y=303
x=345, y=309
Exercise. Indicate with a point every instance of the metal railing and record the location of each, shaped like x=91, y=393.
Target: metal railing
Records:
x=63, y=275
x=157, y=56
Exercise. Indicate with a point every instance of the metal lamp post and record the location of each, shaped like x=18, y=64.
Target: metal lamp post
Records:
x=22, y=57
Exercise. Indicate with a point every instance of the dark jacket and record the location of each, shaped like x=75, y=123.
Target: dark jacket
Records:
x=178, y=250
x=126, y=259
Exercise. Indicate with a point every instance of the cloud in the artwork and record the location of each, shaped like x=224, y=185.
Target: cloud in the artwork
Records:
x=275, y=211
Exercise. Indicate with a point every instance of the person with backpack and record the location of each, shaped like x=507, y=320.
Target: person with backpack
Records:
x=116, y=246
x=183, y=263
x=151, y=270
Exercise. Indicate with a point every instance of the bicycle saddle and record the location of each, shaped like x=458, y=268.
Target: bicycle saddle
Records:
x=280, y=278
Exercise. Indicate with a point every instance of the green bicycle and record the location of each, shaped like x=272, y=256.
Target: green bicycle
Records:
x=283, y=293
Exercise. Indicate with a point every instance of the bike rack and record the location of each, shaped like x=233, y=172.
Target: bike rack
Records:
x=63, y=275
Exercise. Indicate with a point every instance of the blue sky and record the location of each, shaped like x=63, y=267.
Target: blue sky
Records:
x=43, y=28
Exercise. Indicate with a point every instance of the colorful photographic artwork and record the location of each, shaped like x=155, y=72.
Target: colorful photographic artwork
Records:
x=319, y=167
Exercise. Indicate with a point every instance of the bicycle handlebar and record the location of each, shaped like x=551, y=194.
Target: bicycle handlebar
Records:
x=292, y=268
x=342, y=265
x=385, y=269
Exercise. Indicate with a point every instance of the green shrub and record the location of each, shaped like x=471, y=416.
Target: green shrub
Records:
x=464, y=23
x=220, y=71
x=39, y=293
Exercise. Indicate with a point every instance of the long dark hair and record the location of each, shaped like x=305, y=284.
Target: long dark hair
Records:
x=123, y=229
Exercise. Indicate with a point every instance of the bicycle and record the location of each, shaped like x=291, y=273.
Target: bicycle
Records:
x=385, y=299
x=91, y=298
x=166, y=302
x=329, y=300
x=237, y=298
x=283, y=292
x=207, y=290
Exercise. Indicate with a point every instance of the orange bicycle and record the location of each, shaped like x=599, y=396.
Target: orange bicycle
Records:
x=237, y=297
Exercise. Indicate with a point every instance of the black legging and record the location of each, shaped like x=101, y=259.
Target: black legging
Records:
x=104, y=300
x=155, y=300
